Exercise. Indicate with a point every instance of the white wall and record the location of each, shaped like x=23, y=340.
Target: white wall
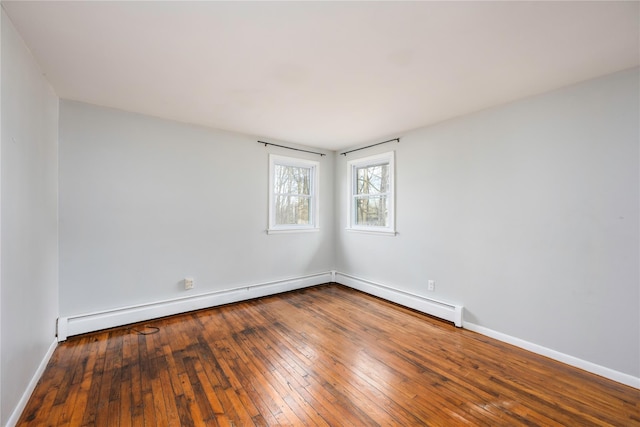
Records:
x=145, y=202
x=527, y=214
x=29, y=228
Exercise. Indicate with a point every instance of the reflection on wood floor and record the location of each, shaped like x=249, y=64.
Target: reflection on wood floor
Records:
x=326, y=355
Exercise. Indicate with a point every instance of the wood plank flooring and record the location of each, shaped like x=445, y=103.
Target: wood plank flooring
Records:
x=322, y=356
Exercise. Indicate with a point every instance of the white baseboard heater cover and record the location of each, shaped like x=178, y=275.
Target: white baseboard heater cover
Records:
x=90, y=322
x=437, y=308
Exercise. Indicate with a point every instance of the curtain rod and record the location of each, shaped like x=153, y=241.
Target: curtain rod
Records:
x=369, y=146
x=290, y=148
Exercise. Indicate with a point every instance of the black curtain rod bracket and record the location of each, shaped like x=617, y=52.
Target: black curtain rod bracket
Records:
x=369, y=146
x=291, y=148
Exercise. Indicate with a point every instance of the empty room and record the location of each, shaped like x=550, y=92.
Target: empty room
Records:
x=320, y=213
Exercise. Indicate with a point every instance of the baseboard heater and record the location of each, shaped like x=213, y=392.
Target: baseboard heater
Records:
x=90, y=322
x=437, y=308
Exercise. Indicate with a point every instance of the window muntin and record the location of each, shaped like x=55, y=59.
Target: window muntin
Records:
x=293, y=199
x=371, y=199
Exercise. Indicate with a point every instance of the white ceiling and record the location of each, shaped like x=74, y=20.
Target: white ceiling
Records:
x=323, y=74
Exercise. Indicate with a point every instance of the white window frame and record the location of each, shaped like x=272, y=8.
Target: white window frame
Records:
x=352, y=166
x=314, y=166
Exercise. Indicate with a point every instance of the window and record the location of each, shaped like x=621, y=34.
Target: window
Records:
x=293, y=194
x=371, y=194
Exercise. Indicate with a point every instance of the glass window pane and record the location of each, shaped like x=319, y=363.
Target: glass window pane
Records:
x=372, y=179
x=292, y=210
x=371, y=211
x=292, y=180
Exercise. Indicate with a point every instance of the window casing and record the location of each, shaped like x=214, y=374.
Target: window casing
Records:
x=293, y=194
x=371, y=206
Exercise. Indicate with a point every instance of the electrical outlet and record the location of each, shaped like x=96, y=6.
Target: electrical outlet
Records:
x=431, y=285
x=188, y=283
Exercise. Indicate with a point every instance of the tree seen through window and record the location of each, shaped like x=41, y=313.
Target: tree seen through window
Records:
x=372, y=191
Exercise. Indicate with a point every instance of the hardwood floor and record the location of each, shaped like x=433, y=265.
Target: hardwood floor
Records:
x=322, y=356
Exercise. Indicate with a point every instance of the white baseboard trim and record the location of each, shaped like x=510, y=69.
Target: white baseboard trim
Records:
x=454, y=313
x=556, y=355
x=441, y=309
x=90, y=322
x=22, y=403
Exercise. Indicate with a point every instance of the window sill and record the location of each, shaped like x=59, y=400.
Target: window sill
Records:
x=369, y=231
x=291, y=230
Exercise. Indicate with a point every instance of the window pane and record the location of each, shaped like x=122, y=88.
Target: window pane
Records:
x=373, y=179
x=371, y=188
x=371, y=211
x=292, y=180
x=292, y=210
